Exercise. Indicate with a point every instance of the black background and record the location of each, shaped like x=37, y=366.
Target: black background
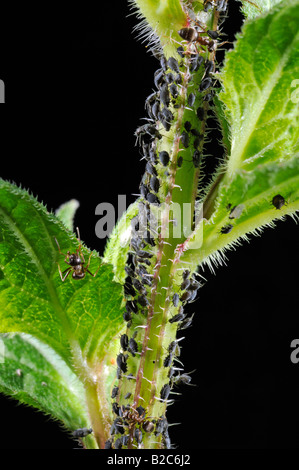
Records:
x=76, y=80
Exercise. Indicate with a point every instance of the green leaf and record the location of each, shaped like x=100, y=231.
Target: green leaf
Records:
x=66, y=213
x=259, y=77
x=76, y=317
x=34, y=374
x=252, y=192
x=253, y=8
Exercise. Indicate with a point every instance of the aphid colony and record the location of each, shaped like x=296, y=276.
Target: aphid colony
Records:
x=176, y=88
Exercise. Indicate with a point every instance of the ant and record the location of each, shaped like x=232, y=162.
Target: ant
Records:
x=76, y=262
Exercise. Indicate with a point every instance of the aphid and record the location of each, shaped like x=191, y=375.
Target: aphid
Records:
x=115, y=408
x=164, y=95
x=128, y=288
x=185, y=139
x=165, y=391
x=167, y=114
x=212, y=34
x=178, y=79
x=138, y=435
x=180, y=162
x=186, y=323
x=175, y=299
x=118, y=426
x=178, y=317
x=164, y=157
x=236, y=211
x=191, y=99
x=185, y=284
x=196, y=158
x=114, y=392
x=108, y=444
x=76, y=262
x=127, y=316
x=163, y=63
x=82, y=432
x=183, y=378
x=196, y=63
x=155, y=184
x=167, y=361
x=208, y=97
x=200, y=113
x=142, y=300
x=124, y=341
x=205, y=84
x=158, y=77
x=173, y=64
x=173, y=90
x=147, y=129
x=131, y=306
x=185, y=296
x=121, y=362
x=226, y=229
x=278, y=201
x=150, y=169
x=118, y=443
x=133, y=347
x=187, y=126
x=127, y=395
x=169, y=78
x=209, y=66
x=181, y=52
x=152, y=198
x=161, y=425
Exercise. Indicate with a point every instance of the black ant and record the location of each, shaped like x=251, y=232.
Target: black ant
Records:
x=76, y=262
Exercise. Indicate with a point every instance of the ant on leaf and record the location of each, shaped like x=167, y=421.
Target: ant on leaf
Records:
x=76, y=262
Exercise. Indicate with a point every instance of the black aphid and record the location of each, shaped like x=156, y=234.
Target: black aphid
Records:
x=124, y=341
x=178, y=317
x=82, y=432
x=185, y=139
x=209, y=66
x=158, y=78
x=164, y=157
x=121, y=362
x=173, y=64
x=169, y=78
x=175, y=299
x=185, y=296
x=208, y=97
x=191, y=99
x=205, y=84
x=151, y=169
x=127, y=395
x=278, y=201
x=186, y=323
x=155, y=184
x=196, y=63
x=167, y=361
x=180, y=51
x=173, y=90
x=167, y=114
x=185, y=284
x=212, y=34
x=131, y=306
x=118, y=426
x=179, y=162
x=138, y=435
x=128, y=288
x=127, y=316
x=164, y=95
x=165, y=391
x=236, y=211
x=187, y=126
x=196, y=158
x=108, y=444
x=226, y=229
x=133, y=347
x=152, y=198
x=161, y=425
x=163, y=63
x=182, y=379
x=114, y=392
x=115, y=408
x=200, y=113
